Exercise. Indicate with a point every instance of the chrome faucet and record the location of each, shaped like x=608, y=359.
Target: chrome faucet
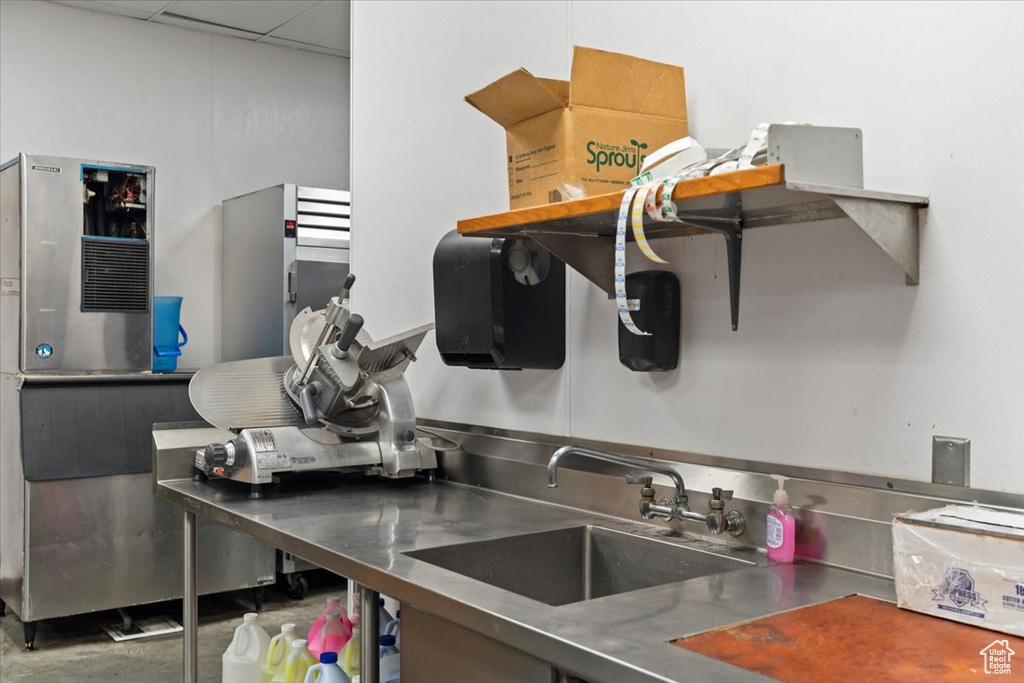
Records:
x=677, y=508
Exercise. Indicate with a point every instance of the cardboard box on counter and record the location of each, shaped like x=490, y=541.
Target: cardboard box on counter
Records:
x=964, y=563
x=592, y=132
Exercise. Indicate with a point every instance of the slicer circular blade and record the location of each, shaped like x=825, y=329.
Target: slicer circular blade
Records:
x=304, y=332
x=244, y=394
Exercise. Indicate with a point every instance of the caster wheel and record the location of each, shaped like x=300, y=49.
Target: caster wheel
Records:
x=3, y=608
x=298, y=587
x=257, y=597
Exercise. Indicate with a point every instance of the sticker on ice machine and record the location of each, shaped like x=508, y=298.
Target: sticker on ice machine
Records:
x=44, y=351
x=10, y=286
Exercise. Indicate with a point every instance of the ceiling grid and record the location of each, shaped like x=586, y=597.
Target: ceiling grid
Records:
x=313, y=25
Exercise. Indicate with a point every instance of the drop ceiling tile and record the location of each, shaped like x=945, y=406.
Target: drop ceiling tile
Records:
x=107, y=8
x=257, y=16
x=203, y=27
x=304, y=46
x=147, y=6
x=326, y=25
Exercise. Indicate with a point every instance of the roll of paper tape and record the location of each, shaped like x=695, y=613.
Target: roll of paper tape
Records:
x=620, y=261
x=644, y=195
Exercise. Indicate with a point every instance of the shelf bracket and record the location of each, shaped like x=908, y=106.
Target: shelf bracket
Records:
x=592, y=256
x=893, y=226
x=729, y=222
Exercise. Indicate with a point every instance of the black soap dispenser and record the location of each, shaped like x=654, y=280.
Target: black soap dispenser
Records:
x=653, y=297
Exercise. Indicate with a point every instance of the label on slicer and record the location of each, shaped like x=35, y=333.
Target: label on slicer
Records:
x=263, y=440
x=774, y=535
x=272, y=461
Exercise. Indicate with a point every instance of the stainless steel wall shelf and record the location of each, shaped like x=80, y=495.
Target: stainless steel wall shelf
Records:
x=813, y=174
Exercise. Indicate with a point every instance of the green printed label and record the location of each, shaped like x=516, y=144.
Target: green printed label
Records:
x=601, y=154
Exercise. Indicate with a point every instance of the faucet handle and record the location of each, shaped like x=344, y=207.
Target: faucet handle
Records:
x=718, y=496
x=646, y=480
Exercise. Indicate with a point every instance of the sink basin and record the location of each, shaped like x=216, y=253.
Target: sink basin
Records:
x=575, y=564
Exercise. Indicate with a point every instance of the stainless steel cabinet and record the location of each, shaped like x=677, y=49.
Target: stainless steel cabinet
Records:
x=285, y=248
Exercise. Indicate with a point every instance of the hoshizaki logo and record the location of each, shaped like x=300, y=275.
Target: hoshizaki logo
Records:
x=958, y=589
x=619, y=156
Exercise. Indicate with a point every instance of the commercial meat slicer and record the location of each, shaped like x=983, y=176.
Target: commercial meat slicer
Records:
x=339, y=402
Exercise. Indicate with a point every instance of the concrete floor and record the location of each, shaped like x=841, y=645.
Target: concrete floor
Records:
x=77, y=649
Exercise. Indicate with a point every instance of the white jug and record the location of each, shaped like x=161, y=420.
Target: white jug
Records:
x=327, y=671
x=242, y=661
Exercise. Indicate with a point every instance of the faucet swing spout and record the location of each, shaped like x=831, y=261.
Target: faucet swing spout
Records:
x=717, y=522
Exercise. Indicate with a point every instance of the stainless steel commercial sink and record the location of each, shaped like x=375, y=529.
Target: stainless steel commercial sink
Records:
x=575, y=564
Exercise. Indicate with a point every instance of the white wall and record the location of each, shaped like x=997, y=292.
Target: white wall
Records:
x=413, y=68
x=216, y=116
x=836, y=363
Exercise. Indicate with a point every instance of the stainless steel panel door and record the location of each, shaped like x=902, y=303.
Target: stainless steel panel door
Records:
x=68, y=339
x=12, y=483
x=318, y=281
x=432, y=645
x=105, y=542
x=255, y=311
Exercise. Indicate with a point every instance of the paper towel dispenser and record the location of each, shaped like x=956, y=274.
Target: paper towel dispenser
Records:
x=498, y=303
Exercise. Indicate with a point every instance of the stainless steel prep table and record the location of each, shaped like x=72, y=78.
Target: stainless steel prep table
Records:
x=361, y=530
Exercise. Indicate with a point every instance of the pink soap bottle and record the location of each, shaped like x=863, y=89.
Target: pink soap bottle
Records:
x=331, y=637
x=781, y=537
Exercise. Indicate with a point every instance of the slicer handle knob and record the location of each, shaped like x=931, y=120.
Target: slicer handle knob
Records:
x=349, y=332
x=307, y=401
x=350, y=280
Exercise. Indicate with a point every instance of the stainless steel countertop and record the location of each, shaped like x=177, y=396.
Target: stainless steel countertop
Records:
x=361, y=528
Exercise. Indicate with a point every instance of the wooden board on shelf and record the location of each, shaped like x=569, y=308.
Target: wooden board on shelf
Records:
x=854, y=638
x=592, y=213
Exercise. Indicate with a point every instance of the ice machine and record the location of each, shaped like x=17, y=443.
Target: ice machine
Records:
x=80, y=529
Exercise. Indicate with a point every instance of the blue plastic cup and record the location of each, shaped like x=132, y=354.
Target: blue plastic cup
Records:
x=166, y=328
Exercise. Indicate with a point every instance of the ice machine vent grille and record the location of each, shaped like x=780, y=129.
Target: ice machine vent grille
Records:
x=115, y=276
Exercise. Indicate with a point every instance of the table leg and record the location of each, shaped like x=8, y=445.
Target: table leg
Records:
x=369, y=647
x=190, y=599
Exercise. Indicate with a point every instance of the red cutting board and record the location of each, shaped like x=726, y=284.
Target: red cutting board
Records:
x=857, y=639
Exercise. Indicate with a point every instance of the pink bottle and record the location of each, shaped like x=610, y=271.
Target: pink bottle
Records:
x=333, y=605
x=331, y=637
x=781, y=536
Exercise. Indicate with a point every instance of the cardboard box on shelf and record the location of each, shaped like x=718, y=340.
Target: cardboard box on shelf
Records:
x=590, y=133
